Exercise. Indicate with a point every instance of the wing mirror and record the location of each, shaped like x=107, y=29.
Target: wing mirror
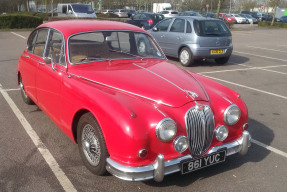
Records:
x=155, y=29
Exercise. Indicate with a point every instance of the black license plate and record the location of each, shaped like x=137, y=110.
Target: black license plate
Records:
x=207, y=160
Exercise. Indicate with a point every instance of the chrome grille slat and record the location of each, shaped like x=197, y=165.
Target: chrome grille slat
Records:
x=200, y=128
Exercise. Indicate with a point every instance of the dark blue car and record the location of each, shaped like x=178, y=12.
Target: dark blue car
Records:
x=284, y=18
x=145, y=20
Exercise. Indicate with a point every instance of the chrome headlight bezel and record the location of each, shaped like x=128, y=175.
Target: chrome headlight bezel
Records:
x=228, y=117
x=166, y=129
x=180, y=144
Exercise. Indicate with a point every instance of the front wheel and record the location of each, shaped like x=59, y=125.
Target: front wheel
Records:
x=91, y=143
x=185, y=57
x=222, y=60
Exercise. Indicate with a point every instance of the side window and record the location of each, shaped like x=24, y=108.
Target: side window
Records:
x=137, y=16
x=178, y=26
x=55, y=47
x=64, y=9
x=163, y=26
x=142, y=17
x=69, y=8
x=188, y=27
x=40, y=42
x=32, y=41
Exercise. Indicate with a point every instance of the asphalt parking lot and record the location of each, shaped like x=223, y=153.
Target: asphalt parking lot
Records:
x=35, y=155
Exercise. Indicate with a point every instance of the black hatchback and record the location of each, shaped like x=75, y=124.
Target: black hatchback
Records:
x=145, y=20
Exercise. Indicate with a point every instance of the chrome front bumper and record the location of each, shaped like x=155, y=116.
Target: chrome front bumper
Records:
x=160, y=168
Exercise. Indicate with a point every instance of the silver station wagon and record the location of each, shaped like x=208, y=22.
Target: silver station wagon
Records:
x=192, y=38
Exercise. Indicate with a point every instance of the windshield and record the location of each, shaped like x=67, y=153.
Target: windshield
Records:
x=227, y=15
x=211, y=28
x=82, y=8
x=111, y=45
x=236, y=15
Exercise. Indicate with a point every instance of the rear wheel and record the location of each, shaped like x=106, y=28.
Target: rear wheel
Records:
x=25, y=97
x=92, y=144
x=222, y=60
x=185, y=57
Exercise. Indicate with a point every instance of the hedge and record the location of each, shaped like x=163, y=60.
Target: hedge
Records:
x=275, y=24
x=19, y=21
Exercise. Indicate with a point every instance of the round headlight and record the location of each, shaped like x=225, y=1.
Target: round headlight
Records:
x=180, y=144
x=166, y=130
x=231, y=115
x=221, y=133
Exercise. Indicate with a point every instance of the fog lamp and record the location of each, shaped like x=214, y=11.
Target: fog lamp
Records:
x=180, y=144
x=221, y=133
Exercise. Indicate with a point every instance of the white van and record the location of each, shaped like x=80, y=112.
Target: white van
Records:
x=75, y=10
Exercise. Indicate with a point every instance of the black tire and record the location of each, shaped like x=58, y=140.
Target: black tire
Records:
x=185, y=57
x=91, y=143
x=222, y=60
x=25, y=97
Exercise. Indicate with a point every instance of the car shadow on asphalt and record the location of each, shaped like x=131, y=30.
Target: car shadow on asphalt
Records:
x=234, y=60
x=255, y=154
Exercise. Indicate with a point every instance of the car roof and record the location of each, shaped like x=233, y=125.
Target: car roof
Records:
x=196, y=18
x=69, y=27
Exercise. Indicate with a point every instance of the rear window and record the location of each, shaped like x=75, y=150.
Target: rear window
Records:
x=157, y=17
x=174, y=12
x=211, y=28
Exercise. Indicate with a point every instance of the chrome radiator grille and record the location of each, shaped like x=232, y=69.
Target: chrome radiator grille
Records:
x=200, y=128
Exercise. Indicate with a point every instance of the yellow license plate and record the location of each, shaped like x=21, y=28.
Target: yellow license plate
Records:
x=220, y=51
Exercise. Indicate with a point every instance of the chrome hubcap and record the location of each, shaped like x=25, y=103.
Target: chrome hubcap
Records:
x=91, y=145
x=22, y=89
x=184, y=57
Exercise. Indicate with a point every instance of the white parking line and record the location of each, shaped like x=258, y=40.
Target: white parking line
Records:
x=18, y=35
x=274, y=71
x=60, y=175
x=267, y=49
x=269, y=148
x=246, y=69
x=260, y=56
x=251, y=88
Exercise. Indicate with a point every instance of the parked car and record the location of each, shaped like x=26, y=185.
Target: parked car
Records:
x=145, y=20
x=239, y=19
x=252, y=13
x=131, y=12
x=109, y=87
x=189, y=13
x=211, y=15
x=121, y=12
x=260, y=16
x=283, y=18
x=249, y=18
x=269, y=18
x=227, y=17
x=169, y=13
x=191, y=38
x=105, y=11
x=75, y=10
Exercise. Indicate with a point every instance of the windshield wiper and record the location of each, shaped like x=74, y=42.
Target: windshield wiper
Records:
x=127, y=53
x=93, y=58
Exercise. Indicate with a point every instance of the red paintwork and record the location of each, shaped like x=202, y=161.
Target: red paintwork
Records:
x=110, y=100
x=226, y=17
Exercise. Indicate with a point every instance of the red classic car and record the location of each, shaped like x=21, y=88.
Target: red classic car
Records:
x=110, y=88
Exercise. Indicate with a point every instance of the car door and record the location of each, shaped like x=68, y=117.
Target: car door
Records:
x=160, y=33
x=175, y=37
x=50, y=75
x=31, y=58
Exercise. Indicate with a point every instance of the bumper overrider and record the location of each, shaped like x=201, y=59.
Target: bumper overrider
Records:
x=160, y=168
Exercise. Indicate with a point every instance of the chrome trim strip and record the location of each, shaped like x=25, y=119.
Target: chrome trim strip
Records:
x=159, y=168
x=159, y=102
